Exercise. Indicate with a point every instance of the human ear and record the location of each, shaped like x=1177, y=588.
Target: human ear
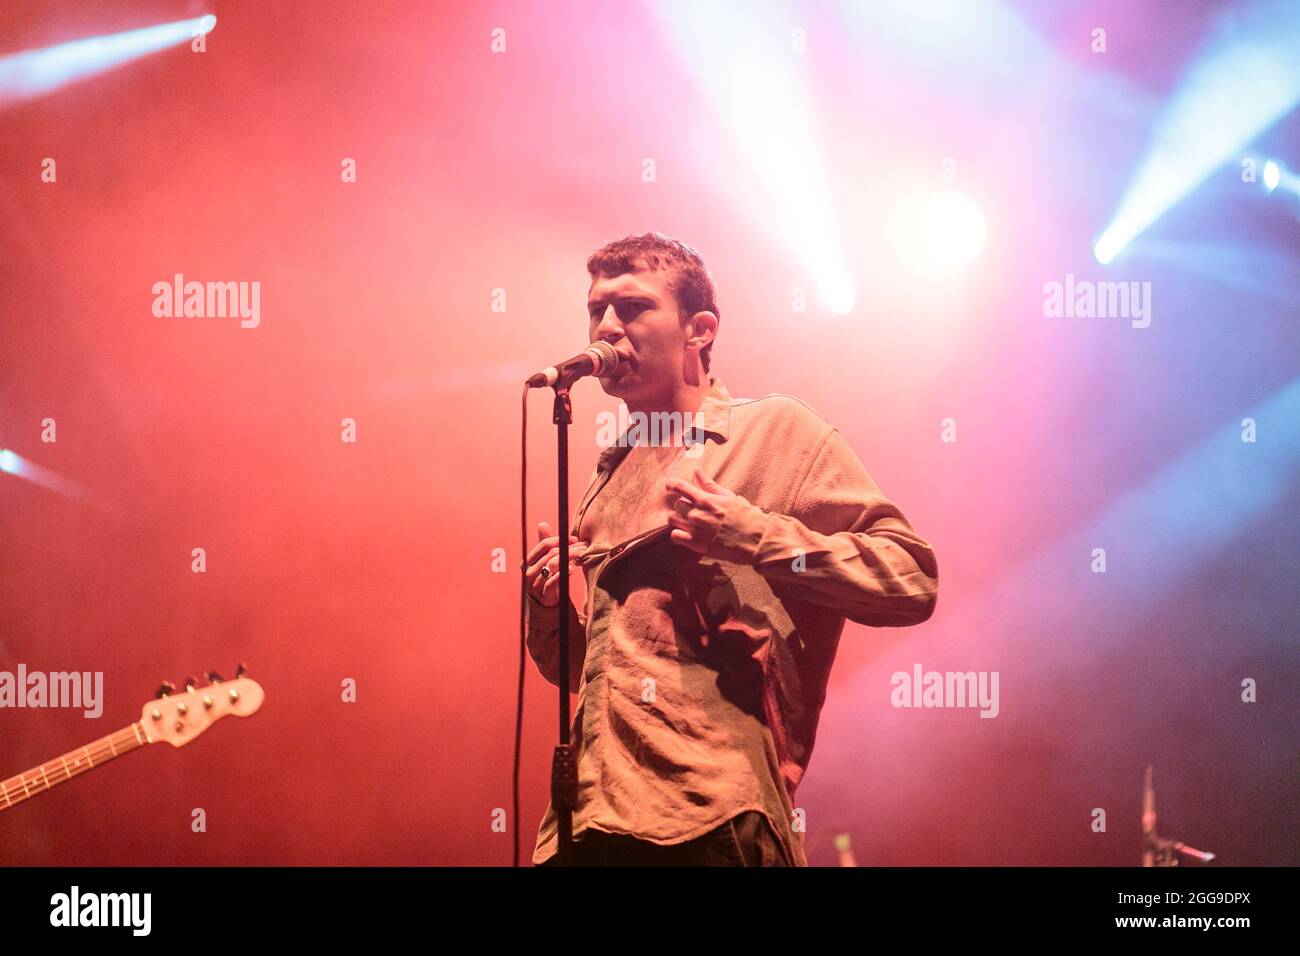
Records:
x=704, y=329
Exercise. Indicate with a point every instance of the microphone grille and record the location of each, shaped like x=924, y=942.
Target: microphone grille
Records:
x=608, y=357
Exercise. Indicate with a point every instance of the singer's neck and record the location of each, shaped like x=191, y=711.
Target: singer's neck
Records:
x=682, y=397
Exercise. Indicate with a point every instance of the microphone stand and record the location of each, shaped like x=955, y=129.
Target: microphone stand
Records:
x=564, y=763
x=1157, y=850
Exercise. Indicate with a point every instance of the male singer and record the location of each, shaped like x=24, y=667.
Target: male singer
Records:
x=720, y=567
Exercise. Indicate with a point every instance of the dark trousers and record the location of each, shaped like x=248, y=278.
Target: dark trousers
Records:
x=746, y=839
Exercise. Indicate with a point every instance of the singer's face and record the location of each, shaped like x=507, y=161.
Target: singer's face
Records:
x=637, y=314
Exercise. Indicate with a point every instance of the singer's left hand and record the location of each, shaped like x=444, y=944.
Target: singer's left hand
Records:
x=699, y=511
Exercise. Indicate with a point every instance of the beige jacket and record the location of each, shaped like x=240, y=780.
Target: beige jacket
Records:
x=700, y=678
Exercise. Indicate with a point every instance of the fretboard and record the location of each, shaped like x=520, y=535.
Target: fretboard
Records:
x=39, y=779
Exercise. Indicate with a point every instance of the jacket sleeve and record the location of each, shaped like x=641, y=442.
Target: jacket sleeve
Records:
x=844, y=546
x=543, y=640
x=542, y=634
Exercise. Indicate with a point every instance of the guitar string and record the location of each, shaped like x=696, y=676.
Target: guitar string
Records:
x=111, y=747
x=119, y=741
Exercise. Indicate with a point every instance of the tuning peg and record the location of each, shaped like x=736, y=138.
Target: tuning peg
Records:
x=240, y=670
x=214, y=677
x=165, y=688
x=191, y=682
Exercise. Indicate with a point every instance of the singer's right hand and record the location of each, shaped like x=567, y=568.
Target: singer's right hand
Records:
x=546, y=554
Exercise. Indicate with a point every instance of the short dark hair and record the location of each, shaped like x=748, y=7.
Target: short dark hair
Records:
x=689, y=278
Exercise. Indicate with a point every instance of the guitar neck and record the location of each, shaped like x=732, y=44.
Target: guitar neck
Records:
x=17, y=789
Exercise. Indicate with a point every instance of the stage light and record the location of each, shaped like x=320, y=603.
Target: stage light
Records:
x=759, y=93
x=1279, y=181
x=32, y=73
x=1107, y=247
x=1272, y=175
x=1243, y=84
x=12, y=463
x=952, y=228
x=840, y=296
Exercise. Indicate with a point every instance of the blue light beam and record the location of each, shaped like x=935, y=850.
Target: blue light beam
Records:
x=32, y=73
x=1243, y=84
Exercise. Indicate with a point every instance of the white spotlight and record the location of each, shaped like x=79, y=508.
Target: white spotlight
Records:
x=839, y=293
x=952, y=228
x=1107, y=247
x=1272, y=175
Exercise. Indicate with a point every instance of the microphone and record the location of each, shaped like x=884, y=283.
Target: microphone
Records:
x=599, y=359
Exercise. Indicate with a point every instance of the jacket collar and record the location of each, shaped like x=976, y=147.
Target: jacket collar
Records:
x=714, y=415
x=712, y=418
